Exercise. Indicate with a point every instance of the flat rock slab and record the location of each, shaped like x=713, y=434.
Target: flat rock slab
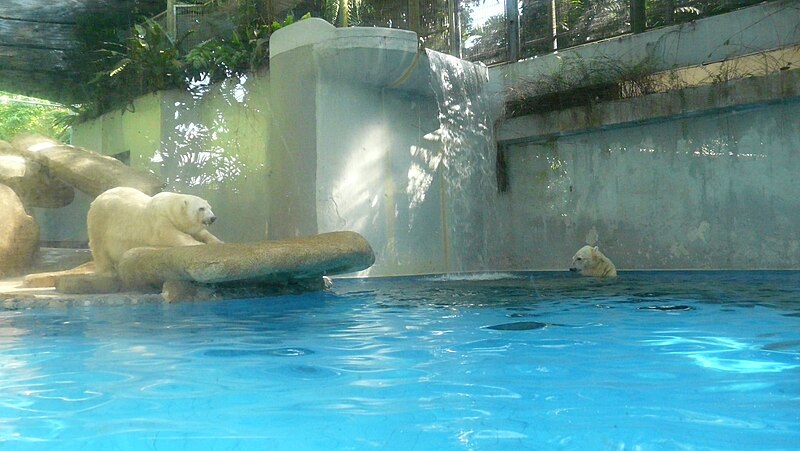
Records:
x=260, y=263
x=48, y=279
x=195, y=273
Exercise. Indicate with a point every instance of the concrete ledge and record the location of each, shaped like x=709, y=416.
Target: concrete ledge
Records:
x=754, y=92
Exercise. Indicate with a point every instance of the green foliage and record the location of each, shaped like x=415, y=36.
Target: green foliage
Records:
x=149, y=60
x=223, y=57
x=573, y=14
x=217, y=58
x=665, y=12
x=24, y=115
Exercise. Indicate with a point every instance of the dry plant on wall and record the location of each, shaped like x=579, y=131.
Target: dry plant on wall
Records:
x=757, y=65
x=581, y=82
x=733, y=58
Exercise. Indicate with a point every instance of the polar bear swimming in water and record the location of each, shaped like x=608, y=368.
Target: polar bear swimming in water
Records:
x=589, y=261
x=125, y=218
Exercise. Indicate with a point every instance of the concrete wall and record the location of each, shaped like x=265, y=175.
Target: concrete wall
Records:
x=327, y=141
x=716, y=191
x=215, y=146
x=364, y=129
x=717, y=38
x=212, y=145
x=700, y=178
x=366, y=178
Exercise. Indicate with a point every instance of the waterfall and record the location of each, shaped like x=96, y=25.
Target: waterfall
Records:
x=469, y=184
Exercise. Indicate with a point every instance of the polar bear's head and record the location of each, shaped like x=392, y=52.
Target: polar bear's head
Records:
x=189, y=214
x=589, y=261
x=198, y=210
x=582, y=259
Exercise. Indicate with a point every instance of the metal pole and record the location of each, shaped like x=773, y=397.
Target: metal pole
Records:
x=455, y=28
x=638, y=16
x=171, y=28
x=669, y=12
x=512, y=29
x=414, y=19
x=553, y=24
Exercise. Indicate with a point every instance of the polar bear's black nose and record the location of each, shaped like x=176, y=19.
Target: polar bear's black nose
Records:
x=211, y=220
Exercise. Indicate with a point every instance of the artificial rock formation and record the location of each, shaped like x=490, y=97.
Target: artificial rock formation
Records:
x=230, y=269
x=48, y=279
x=31, y=181
x=19, y=234
x=259, y=263
x=88, y=284
x=89, y=172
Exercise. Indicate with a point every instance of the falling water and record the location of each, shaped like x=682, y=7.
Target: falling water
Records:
x=469, y=184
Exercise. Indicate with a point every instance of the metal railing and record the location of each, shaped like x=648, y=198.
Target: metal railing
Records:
x=491, y=31
x=534, y=27
x=497, y=31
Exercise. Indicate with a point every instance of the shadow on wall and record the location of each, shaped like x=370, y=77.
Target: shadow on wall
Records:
x=213, y=144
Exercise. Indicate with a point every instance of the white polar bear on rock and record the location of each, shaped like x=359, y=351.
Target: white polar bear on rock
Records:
x=589, y=261
x=125, y=218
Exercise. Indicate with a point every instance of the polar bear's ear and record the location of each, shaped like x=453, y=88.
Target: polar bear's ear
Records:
x=595, y=249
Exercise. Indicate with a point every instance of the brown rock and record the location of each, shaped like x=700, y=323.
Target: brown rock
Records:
x=48, y=279
x=31, y=181
x=19, y=234
x=179, y=290
x=89, y=172
x=88, y=284
x=182, y=290
x=262, y=263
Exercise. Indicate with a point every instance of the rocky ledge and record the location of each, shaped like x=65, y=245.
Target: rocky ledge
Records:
x=213, y=271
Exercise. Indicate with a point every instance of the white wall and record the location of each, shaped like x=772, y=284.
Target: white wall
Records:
x=362, y=146
x=366, y=176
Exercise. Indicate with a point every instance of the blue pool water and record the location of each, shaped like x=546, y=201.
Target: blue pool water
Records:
x=651, y=361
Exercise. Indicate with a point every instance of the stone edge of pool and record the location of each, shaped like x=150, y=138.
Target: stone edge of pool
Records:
x=13, y=296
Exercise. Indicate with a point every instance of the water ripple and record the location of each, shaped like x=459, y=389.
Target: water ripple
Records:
x=530, y=362
x=276, y=352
